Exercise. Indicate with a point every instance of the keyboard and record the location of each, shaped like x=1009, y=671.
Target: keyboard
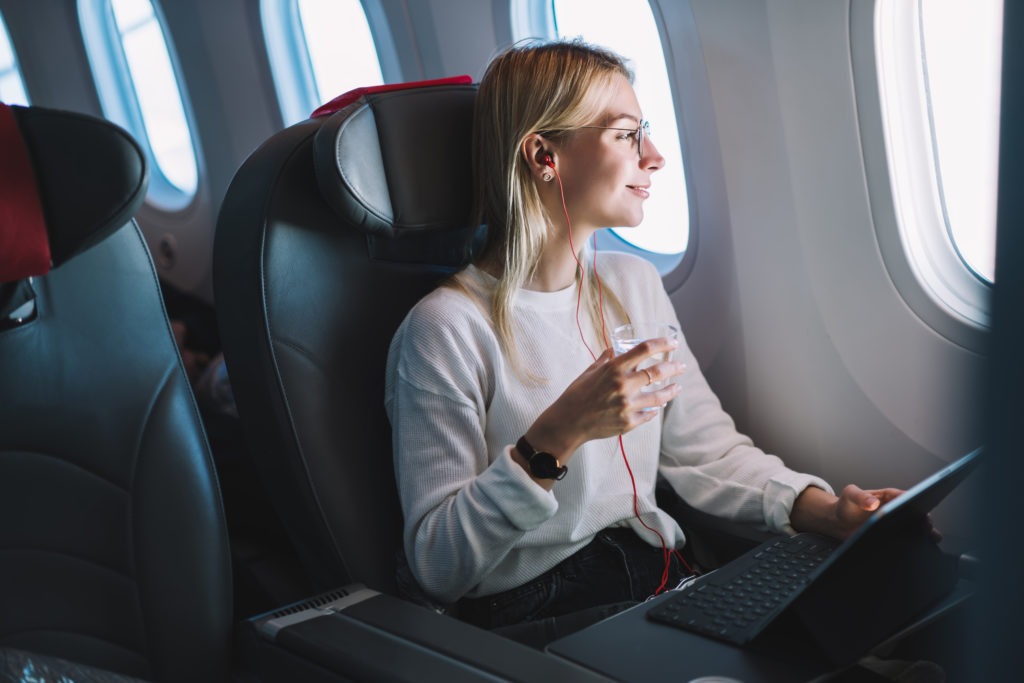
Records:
x=736, y=602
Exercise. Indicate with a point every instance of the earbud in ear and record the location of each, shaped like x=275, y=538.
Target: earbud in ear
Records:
x=548, y=176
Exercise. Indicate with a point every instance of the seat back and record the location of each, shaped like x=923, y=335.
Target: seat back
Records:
x=327, y=236
x=113, y=552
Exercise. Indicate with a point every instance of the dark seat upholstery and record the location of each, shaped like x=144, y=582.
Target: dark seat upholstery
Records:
x=327, y=236
x=113, y=550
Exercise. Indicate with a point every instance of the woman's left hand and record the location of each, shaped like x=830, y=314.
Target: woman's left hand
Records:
x=821, y=512
x=855, y=505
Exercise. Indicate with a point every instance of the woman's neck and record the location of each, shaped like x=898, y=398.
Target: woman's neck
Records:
x=556, y=267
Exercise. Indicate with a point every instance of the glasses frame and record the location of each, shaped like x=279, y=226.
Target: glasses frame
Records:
x=642, y=130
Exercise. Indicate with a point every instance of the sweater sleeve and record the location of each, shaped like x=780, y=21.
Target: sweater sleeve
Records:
x=464, y=508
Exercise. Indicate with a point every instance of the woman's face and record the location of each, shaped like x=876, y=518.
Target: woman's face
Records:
x=603, y=175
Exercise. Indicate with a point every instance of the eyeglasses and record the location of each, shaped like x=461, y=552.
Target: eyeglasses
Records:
x=640, y=132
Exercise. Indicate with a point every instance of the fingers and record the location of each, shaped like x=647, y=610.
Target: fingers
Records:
x=887, y=494
x=646, y=409
x=653, y=374
x=656, y=399
x=860, y=499
x=614, y=396
x=870, y=499
x=646, y=349
x=605, y=356
x=628, y=364
x=645, y=406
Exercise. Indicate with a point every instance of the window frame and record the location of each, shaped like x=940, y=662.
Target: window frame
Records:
x=119, y=100
x=290, y=64
x=903, y=182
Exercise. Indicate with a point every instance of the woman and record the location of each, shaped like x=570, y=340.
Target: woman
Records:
x=508, y=364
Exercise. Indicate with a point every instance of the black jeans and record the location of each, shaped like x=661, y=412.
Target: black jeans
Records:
x=613, y=572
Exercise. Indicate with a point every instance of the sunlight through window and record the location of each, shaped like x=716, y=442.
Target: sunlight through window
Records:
x=340, y=62
x=962, y=64
x=12, y=88
x=156, y=88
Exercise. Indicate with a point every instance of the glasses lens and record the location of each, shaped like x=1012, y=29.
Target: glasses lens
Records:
x=643, y=131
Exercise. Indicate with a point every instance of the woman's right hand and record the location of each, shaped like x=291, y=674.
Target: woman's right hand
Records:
x=607, y=399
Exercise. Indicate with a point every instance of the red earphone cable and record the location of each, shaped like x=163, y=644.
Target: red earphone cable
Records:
x=604, y=335
x=579, y=291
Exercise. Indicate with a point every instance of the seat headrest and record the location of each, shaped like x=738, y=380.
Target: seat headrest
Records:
x=396, y=163
x=347, y=98
x=67, y=180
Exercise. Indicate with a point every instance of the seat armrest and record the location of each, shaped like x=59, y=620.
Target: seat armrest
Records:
x=359, y=634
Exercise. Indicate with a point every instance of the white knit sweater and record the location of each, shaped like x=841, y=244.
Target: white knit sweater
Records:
x=475, y=523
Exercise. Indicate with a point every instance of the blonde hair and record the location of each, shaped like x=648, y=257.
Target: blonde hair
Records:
x=551, y=88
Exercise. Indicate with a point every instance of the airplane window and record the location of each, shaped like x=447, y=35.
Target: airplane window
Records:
x=939, y=82
x=12, y=88
x=139, y=90
x=962, y=59
x=628, y=27
x=318, y=49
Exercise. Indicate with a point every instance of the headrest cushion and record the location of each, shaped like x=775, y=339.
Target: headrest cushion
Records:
x=89, y=177
x=398, y=162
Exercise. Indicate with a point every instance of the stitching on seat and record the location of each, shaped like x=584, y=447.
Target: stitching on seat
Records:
x=301, y=350
x=144, y=425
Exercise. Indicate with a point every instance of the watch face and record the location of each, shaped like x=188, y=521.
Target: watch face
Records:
x=545, y=466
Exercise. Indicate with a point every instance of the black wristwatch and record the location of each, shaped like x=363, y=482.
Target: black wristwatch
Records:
x=543, y=465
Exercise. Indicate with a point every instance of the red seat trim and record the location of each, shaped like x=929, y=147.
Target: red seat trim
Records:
x=345, y=99
x=24, y=245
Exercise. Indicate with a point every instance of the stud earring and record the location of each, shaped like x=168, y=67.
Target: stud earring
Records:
x=547, y=177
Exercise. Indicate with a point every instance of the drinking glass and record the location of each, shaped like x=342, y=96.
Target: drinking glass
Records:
x=627, y=337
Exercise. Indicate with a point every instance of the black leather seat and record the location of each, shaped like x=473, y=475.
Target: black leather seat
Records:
x=327, y=236
x=113, y=550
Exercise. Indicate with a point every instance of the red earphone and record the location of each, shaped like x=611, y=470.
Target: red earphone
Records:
x=548, y=161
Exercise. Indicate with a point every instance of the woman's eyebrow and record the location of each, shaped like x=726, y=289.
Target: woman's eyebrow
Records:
x=612, y=118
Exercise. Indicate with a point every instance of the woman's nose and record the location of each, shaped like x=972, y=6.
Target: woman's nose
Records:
x=651, y=158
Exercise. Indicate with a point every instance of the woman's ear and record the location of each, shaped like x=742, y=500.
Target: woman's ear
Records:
x=539, y=157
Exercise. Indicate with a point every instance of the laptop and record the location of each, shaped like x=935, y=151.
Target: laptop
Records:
x=845, y=596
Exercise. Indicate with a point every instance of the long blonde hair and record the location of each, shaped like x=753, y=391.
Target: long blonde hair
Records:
x=551, y=88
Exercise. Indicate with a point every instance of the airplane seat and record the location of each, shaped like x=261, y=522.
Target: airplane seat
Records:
x=113, y=553
x=328, y=234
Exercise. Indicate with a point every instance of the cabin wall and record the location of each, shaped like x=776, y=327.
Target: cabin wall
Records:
x=821, y=361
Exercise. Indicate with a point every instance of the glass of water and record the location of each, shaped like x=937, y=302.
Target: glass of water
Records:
x=626, y=337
